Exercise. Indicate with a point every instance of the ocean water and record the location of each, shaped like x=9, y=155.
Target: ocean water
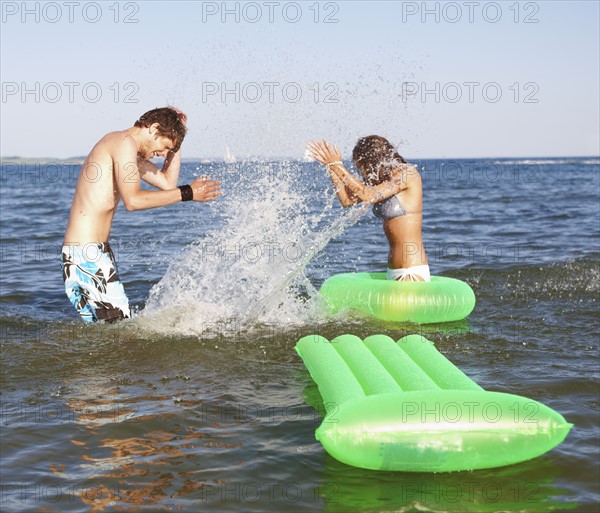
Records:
x=201, y=403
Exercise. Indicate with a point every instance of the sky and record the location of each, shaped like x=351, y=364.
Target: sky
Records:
x=439, y=79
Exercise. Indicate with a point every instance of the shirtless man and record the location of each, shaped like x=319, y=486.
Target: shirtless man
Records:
x=111, y=172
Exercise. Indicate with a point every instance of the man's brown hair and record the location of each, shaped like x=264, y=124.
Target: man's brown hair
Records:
x=169, y=121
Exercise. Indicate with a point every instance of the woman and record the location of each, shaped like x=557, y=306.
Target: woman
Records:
x=394, y=189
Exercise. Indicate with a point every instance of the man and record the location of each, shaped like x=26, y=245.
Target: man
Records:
x=111, y=172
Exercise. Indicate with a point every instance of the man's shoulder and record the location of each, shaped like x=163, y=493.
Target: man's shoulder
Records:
x=114, y=145
x=118, y=138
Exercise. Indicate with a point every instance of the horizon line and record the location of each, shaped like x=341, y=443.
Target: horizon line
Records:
x=81, y=158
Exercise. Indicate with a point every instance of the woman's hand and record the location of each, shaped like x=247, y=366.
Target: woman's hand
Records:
x=322, y=152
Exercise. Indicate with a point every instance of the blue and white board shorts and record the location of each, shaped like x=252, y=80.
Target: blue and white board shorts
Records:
x=92, y=282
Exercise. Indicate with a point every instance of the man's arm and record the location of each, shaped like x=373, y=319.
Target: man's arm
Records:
x=168, y=177
x=164, y=179
x=127, y=177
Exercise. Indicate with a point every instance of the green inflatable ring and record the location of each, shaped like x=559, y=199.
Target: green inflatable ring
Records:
x=404, y=407
x=440, y=300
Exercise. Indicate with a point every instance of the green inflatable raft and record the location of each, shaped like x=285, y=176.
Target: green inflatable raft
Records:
x=404, y=407
x=439, y=300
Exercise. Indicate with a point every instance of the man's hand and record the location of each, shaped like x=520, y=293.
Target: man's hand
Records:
x=171, y=154
x=206, y=189
x=181, y=114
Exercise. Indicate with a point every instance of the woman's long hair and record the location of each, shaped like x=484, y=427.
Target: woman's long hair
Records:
x=376, y=158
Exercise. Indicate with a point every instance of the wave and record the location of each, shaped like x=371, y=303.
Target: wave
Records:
x=574, y=279
x=591, y=161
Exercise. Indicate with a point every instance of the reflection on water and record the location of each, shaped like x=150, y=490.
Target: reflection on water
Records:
x=139, y=420
x=529, y=487
x=130, y=460
x=149, y=468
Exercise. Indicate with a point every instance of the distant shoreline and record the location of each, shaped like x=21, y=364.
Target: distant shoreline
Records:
x=78, y=160
x=41, y=160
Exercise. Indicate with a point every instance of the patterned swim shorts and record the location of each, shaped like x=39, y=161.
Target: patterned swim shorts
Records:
x=92, y=283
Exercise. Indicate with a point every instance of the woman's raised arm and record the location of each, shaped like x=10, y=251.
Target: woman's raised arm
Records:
x=355, y=190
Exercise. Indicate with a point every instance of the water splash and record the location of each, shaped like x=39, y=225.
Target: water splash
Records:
x=250, y=271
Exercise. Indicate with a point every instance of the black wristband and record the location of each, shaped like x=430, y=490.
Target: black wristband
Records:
x=187, y=194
